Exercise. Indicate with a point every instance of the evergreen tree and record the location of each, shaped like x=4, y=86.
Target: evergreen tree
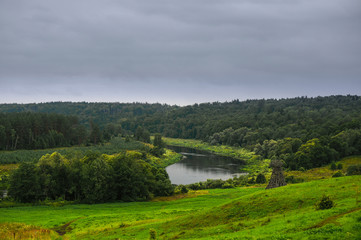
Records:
x=24, y=183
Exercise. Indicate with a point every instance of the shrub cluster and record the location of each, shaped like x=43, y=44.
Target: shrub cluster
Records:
x=337, y=174
x=354, y=170
x=292, y=179
x=325, y=203
x=219, y=183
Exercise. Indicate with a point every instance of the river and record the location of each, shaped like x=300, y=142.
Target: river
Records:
x=197, y=166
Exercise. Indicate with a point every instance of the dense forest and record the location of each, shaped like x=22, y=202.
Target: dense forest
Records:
x=303, y=132
x=27, y=130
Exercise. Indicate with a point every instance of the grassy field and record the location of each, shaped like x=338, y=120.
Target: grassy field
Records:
x=240, y=213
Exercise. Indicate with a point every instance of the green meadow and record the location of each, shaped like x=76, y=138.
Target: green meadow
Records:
x=248, y=212
x=240, y=213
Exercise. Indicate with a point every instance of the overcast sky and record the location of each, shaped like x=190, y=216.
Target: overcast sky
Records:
x=178, y=52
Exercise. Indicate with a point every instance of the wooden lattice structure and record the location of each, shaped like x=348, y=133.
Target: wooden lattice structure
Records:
x=277, y=177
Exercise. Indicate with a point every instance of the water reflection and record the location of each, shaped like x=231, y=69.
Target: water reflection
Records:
x=199, y=166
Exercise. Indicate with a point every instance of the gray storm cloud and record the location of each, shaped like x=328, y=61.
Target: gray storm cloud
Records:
x=178, y=51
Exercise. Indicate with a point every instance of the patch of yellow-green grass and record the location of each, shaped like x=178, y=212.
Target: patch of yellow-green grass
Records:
x=169, y=157
x=348, y=161
x=8, y=167
x=324, y=172
x=9, y=231
x=189, y=194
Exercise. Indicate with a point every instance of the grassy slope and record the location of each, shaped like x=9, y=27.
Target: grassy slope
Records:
x=240, y=213
x=124, y=220
x=282, y=213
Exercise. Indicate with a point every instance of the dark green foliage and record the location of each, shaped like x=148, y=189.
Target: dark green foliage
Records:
x=252, y=121
x=53, y=174
x=25, y=184
x=92, y=178
x=325, y=203
x=157, y=151
x=96, y=135
x=314, y=153
x=218, y=183
x=260, y=178
x=303, y=132
x=292, y=179
x=333, y=166
x=354, y=170
x=181, y=189
x=38, y=130
x=142, y=135
x=158, y=142
x=340, y=166
x=96, y=178
x=252, y=180
x=152, y=234
x=338, y=174
x=162, y=186
x=112, y=130
x=159, y=145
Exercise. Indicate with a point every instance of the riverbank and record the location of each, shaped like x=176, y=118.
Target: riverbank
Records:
x=254, y=163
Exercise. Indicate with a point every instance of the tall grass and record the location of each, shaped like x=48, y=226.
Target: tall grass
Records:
x=10, y=231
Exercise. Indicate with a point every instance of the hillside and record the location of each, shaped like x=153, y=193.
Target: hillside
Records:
x=302, y=132
x=241, y=213
x=260, y=120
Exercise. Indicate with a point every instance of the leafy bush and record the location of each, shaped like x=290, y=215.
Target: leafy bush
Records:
x=260, y=178
x=339, y=166
x=325, y=203
x=181, y=189
x=227, y=185
x=333, y=166
x=152, y=234
x=338, y=174
x=292, y=179
x=354, y=170
x=218, y=183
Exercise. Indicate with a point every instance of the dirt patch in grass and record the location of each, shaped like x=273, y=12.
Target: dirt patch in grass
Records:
x=333, y=219
x=63, y=229
x=190, y=194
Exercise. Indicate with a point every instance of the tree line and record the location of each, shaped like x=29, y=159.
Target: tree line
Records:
x=26, y=130
x=303, y=132
x=255, y=120
x=92, y=178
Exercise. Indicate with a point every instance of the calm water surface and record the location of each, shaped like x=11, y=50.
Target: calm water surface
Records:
x=197, y=166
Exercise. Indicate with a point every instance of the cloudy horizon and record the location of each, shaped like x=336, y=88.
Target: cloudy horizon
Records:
x=178, y=52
